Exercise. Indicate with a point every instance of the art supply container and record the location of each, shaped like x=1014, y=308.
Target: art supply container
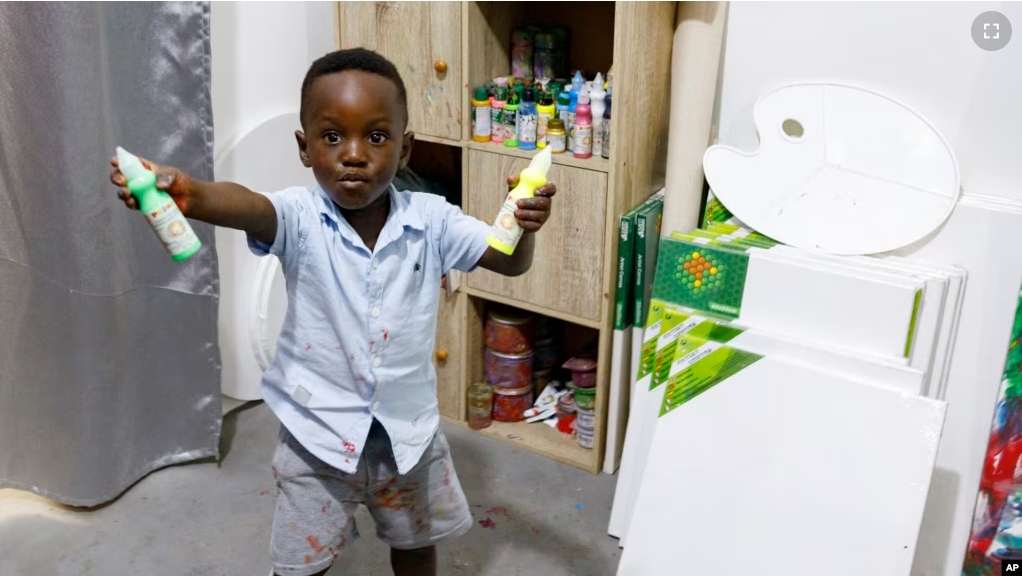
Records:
x=510, y=404
x=509, y=370
x=585, y=398
x=508, y=333
x=480, y=406
x=546, y=355
x=583, y=372
x=522, y=53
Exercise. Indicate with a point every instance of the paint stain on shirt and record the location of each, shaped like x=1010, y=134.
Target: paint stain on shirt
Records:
x=314, y=543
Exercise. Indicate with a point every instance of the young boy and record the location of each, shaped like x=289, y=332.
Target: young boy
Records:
x=352, y=381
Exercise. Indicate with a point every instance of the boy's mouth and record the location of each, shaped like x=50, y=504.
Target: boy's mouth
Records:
x=353, y=177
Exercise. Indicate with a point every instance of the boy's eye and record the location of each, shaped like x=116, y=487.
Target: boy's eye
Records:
x=377, y=137
x=332, y=138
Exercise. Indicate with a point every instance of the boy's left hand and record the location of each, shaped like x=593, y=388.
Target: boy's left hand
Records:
x=533, y=212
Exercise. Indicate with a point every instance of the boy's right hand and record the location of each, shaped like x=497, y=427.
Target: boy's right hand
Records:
x=169, y=179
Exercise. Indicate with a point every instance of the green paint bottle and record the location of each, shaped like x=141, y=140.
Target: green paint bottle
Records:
x=159, y=209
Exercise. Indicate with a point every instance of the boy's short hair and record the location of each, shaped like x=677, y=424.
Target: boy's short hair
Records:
x=353, y=59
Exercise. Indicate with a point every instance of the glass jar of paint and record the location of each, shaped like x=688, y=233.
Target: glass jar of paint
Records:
x=509, y=370
x=556, y=136
x=480, y=406
x=510, y=404
x=508, y=333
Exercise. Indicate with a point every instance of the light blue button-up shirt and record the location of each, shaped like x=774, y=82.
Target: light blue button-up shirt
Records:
x=357, y=340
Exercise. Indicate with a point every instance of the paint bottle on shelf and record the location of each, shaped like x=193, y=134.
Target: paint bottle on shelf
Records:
x=527, y=121
x=511, y=120
x=497, y=113
x=563, y=99
x=606, y=129
x=159, y=209
x=545, y=111
x=506, y=232
x=576, y=86
x=556, y=136
x=583, y=147
x=481, y=116
x=598, y=103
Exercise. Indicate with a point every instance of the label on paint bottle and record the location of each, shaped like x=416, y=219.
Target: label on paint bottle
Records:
x=583, y=139
x=605, y=152
x=527, y=128
x=481, y=116
x=597, y=137
x=497, y=123
x=556, y=141
x=541, y=121
x=510, y=124
x=172, y=228
x=569, y=127
x=505, y=228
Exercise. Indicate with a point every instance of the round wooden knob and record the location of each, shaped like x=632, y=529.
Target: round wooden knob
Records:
x=441, y=355
x=440, y=66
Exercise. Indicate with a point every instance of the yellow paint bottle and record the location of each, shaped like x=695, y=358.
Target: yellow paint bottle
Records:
x=505, y=232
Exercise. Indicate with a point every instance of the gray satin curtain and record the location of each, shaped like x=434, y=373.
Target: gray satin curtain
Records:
x=109, y=363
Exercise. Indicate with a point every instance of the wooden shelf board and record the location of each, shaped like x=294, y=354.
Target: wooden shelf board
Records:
x=436, y=140
x=594, y=324
x=565, y=159
x=541, y=439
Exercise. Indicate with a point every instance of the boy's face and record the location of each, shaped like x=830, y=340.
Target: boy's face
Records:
x=354, y=137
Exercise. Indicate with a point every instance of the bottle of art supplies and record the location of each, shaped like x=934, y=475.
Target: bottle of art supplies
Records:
x=527, y=120
x=545, y=111
x=563, y=100
x=481, y=131
x=556, y=136
x=606, y=129
x=166, y=219
x=511, y=120
x=583, y=127
x=598, y=103
x=505, y=232
x=497, y=113
x=576, y=85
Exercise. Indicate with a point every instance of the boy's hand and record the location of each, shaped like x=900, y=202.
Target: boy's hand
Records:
x=533, y=212
x=169, y=179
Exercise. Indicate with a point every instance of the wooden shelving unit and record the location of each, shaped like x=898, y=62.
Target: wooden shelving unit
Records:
x=572, y=278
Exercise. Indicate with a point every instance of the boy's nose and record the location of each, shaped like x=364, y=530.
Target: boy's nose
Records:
x=353, y=152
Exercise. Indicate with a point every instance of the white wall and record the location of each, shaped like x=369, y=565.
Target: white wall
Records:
x=260, y=53
x=921, y=53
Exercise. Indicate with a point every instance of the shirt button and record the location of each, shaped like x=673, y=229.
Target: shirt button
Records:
x=375, y=312
x=376, y=406
x=377, y=361
x=376, y=263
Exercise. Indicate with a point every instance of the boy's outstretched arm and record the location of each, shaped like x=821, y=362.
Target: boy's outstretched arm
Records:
x=532, y=214
x=218, y=203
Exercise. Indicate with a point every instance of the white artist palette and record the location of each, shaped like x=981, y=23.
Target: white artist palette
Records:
x=840, y=169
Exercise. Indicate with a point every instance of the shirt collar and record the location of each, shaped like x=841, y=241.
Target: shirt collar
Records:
x=401, y=214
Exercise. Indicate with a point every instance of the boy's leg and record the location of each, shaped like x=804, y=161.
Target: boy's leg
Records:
x=314, y=518
x=417, y=510
x=419, y=562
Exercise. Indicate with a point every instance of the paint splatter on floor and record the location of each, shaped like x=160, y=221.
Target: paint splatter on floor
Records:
x=578, y=506
x=498, y=511
x=487, y=523
x=264, y=492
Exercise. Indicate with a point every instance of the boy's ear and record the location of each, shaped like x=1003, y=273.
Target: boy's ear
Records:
x=302, y=148
x=407, y=142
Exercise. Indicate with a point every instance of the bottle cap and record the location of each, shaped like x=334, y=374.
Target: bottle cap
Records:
x=514, y=99
x=500, y=93
x=529, y=95
x=564, y=99
x=480, y=93
x=555, y=123
x=583, y=96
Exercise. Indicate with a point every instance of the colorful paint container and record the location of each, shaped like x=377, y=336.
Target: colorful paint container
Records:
x=510, y=404
x=583, y=372
x=508, y=333
x=509, y=370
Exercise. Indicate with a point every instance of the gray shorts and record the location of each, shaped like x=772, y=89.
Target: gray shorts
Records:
x=314, y=520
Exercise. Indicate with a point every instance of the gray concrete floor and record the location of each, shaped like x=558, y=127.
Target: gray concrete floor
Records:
x=214, y=519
